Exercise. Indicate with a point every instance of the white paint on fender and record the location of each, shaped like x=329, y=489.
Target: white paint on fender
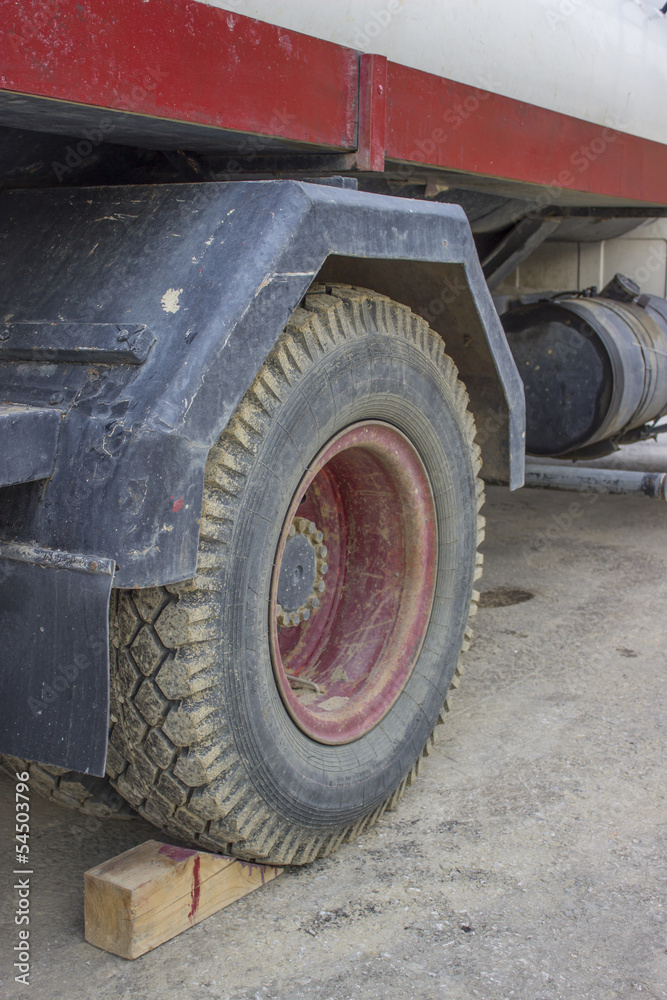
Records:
x=169, y=300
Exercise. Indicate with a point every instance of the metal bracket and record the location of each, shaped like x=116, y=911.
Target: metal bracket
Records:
x=82, y=343
x=372, y=112
x=29, y=436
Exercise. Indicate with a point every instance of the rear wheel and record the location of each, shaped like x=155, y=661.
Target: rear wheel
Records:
x=278, y=703
x=83, y=792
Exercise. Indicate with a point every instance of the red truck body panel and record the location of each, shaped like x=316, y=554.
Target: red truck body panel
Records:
x=436, y=121
x=178, y=62
x=182, y=61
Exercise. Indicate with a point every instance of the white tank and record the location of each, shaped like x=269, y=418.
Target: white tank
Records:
x=601, y=60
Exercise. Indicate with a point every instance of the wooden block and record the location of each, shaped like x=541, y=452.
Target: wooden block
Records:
x=146, y=896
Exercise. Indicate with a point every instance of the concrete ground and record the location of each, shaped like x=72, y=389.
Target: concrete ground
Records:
x=528, y=862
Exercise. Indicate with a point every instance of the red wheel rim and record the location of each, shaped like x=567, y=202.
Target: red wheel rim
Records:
x=368, y=493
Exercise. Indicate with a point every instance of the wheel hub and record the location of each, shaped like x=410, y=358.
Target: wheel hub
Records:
x=302, y=568
x=339, y=671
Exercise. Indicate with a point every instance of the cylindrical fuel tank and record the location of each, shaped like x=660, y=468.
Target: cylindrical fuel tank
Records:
x=593, y=368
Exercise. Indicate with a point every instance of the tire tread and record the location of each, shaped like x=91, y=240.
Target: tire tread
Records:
x=204, y=784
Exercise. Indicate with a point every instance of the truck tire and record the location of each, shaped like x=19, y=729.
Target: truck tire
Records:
x=275, y=705
x=82, y=792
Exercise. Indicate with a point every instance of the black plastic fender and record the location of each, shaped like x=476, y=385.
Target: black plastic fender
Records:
x=213, y=271
x=150, y=309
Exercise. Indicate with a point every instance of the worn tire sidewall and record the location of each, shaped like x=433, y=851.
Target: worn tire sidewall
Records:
x=370, y=377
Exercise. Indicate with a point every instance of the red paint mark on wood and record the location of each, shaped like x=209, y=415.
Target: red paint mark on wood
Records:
x=176, y=853
x=177, y=505
x=262, y=869
x=196, y=889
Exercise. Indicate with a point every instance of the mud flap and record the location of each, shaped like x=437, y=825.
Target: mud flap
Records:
x=54, y=660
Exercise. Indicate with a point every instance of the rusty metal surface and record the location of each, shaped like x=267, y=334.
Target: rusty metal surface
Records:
x=370, y=495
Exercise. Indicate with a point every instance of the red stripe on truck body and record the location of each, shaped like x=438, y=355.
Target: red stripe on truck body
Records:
x=183, y=61
x=439, y=122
